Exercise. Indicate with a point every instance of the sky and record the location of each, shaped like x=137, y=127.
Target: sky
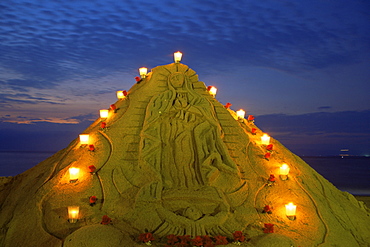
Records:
x=300, y=67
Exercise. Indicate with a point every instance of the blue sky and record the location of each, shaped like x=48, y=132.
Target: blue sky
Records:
x=301, y=67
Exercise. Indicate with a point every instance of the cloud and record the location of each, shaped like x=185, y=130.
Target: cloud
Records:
x=324, y=108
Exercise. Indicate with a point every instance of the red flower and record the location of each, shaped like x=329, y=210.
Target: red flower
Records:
x=137, y=78
x=254, y=130
x=92, y=168
x=185, y=239
x=124, y=92
x=106, y=220
x=238, y=236
x=113, y=107
x=172, y=239
x=269, y=228
x=227, y=106
x=146, y=237
x=93, y=199
x=221, y=240
x=91, y=148
x=272, y=178
x=250, y=118
x=267, y=155
x=197, y=241
x=267, y=209
x=103, y=125
x=269, y=147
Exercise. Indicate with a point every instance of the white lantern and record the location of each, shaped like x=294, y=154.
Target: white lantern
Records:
x=290, y=210
x=240, y=113
x=120, y=95
x=84, y=139
x=177, y=56
x=143, y=71
x=73, y=213
x=74, y=174
x=212, y=91
x=265, y=139
x=284, y=171
x=104, y=113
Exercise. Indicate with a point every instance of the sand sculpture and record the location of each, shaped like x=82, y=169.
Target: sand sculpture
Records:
x=170, y=160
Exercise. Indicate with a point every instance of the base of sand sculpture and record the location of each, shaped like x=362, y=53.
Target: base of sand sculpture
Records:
x=173, y=160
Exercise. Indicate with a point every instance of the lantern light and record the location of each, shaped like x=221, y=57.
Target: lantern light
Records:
x=84, y=139
x=104, y=113
x=143, y=71
x=73, y=213
x=240, y=114
x=290, y=211
x=265, y=139
x=212, y=91
x=177, y=56
x=121, y=95
x=284, y=171
x=74, y=173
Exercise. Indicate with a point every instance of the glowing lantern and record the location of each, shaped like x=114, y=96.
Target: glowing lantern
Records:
x=84, y=139
x=265, y=139
x=74, y=173
x=121, y=94
x=143, y=71
x=177, y=56
x=240, y=114
x=104, y=113
x=212, y=91
x=73, y=213
x=284, y=171
x=290, y=210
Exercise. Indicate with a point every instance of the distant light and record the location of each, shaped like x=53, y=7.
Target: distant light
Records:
x=143, y=71
x=177, y=56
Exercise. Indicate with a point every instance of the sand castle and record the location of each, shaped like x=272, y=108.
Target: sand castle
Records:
x=170, y=164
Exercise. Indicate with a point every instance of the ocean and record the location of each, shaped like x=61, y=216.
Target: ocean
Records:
x=351, y=174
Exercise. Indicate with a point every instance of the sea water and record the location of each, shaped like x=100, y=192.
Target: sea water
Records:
x=351, y=174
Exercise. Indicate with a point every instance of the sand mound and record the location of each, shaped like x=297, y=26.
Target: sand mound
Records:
x=172, y=161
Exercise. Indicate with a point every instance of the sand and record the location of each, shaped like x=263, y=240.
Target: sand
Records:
x=173, y=160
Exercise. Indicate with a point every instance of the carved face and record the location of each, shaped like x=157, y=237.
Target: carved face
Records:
x=177, y=79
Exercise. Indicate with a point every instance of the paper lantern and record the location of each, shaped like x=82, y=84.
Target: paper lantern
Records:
x=265, y=139
x=212, y=91
x=104, y=113
x=290, y=210
x=143, y=71
x=240, y=114
x=74, y=173
x=177, y=56
x=284, y=171
x=73, y=213
x=84, y=139
x=121, y=95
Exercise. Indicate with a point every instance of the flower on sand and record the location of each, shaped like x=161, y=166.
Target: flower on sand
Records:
x=106, y=220
x=238, y=236
x=221, y=240
x=146, y=237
